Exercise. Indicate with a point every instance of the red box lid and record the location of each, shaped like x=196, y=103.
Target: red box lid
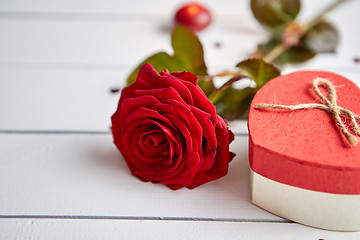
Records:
x=304, y=148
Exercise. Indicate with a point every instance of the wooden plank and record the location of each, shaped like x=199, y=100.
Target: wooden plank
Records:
x=140, y=229
x=66, y=99
x=138, y=7
x=85, y=175
x=115, y=43
x=95, y=40
x=118, y=7
x=63, y=100
x=58, y=99
x=103, y=44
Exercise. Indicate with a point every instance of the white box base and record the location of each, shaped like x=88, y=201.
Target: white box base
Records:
x=338, y=212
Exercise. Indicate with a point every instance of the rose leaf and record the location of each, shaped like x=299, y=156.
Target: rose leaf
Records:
x=275, y=13
x=188, y=56
x=296, y=54
x=235, y=103
x=322, y=38
x=188, y=50
x=258, y=70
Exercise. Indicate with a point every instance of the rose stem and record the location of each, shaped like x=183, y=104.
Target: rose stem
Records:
x=215, y=96
x=277, y=50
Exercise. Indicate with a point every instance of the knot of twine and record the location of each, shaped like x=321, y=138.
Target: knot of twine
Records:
x=329, y=105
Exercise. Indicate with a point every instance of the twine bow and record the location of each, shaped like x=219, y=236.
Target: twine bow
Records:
x=329, y=105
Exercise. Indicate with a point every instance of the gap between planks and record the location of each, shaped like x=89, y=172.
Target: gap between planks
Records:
x=99, y=16
x=182, y=219
x=354, y=69
x=240, y=134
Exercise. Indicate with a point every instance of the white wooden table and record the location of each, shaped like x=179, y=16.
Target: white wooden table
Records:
x=61, y=177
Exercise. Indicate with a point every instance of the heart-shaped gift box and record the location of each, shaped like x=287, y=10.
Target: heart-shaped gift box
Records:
x=303, y=166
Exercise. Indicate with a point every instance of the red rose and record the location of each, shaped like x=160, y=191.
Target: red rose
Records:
x=169, y=132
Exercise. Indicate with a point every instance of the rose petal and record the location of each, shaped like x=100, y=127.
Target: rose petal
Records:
x=154, y=140
x=159, y=94
x=129, y=90
x=140, y=166
x=147, y=73
x=201, y=101
x=170, y=134
x=154, y=80
x=209, y=145
x=130, y=104
x=191, y=123
x=187, y=76
x=168, y=169
x=132, y=144
x=146, y=113
x=221, y=161
x=179, y=86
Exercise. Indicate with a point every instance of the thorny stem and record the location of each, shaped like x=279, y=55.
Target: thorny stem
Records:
x=214, y=96
x=276, y=51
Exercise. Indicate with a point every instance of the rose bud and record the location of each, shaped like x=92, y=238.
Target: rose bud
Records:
x=169, y=132
x=194, y=16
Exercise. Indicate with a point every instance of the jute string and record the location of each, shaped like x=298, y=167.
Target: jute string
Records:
x=329, y=105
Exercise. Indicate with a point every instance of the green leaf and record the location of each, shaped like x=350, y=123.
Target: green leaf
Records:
x=188, y=55
x=188, y=51
x=275, y=13
x=322, y=38
x=235, y=103
x=258, y=70
x=295, y=54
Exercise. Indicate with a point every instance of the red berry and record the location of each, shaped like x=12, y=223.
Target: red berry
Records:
x=194, y=16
